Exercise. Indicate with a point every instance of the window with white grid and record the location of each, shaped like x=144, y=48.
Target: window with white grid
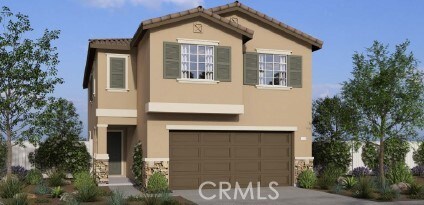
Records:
x=273, y=69
x=197, y=62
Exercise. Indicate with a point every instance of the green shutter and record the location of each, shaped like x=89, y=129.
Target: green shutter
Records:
x=250, y=70
x=295, y=71
x=117, y=72
x=223, y=63
x=171, y=60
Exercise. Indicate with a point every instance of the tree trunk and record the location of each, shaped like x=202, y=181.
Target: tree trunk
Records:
x=9, y=150
x=381, y=162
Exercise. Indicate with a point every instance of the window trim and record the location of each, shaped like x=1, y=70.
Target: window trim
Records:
x=114, y=55
x=197, y=80
x=273, y=52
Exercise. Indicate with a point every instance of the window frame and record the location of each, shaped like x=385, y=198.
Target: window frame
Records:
x=114, y=55
x=188, y=62
x=274, y=70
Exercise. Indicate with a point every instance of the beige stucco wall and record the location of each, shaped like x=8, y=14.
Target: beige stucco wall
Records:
x=262, y=107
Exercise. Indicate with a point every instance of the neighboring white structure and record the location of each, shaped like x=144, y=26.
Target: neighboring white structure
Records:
x=20, y=154
x=357, y=160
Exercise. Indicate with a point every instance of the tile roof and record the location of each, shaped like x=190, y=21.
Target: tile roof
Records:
x=111, y=43
x=295, y=32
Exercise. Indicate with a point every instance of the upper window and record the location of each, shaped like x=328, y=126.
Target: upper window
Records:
x=273, y=69
x=117, y=72
x=197, y=62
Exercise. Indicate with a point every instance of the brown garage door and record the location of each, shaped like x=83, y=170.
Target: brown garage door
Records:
x=241, y=157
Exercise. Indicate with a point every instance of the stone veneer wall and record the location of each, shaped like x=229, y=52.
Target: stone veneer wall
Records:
x=151, y=167
x=101, y=171
x=301, y=165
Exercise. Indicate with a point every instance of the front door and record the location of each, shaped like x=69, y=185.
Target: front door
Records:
x=114, y=149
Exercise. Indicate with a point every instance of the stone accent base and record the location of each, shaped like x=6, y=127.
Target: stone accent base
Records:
x=302, y=164
x=101, y=171
x=151, y=167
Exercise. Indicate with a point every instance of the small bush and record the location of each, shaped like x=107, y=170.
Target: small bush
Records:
x=69, y=199
x=20, y=172
x=157, y=183
x=41, y=189
x=56, y=178
x=388, y=194
x=349, y=182
x=9, y=187
x=361, y=171
x=20, y=199
x=137, y=166
x=337, y=189
x=34, y=176
x=117, y=198
x=418, y=155
x=307, y=179
x=158, y=198
x=82, y=178
x=418, y=170
x=329, y=177
x=57, y=192
x=415, y=189
x=376, y=170
x=399, y=173
x=364, y=188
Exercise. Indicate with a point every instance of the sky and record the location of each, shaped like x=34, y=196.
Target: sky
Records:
x=344, y=26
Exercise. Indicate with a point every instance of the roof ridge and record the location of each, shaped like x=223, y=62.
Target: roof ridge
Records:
x=317, y=41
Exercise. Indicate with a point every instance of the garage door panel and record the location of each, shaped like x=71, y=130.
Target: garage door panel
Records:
x=184, y=166
x=184, y=138
x=275, y=139
x=216, y=166
x=282, y=179
x=275, y=165
x=275, y=152
x=215, y=152
x=215, y=178
x=215, y=138
x=184, y=182
x=242, y=138
x=246, y=152
x=244, y=180
x=246, y=166
x=184, y=152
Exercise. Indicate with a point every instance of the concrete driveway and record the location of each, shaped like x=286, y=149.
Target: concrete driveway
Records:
x=287, y=195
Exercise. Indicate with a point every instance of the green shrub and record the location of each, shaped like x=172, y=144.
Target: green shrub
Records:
x=19, y=199
x=65, y=153
x=57, y=192
x=137, y=166
x=364, y=188
x=334, y=152
x=117, y=198
x=87, y=193
x=41, y=189
x=34, y=176
x=329, y=177
x=399, y=173
x=395, y=151
x=82, y=178
x=9, y=187
x=349, y=182
x=307, y=179
x=388, y=194
x=415, y=189
x=337, y=189
x=418, y=155
x=56, y=178
x=69, y=199
x=158, y=198
x=157, y=183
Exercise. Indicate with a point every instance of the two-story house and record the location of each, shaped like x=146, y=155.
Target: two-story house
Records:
x=219, y=94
